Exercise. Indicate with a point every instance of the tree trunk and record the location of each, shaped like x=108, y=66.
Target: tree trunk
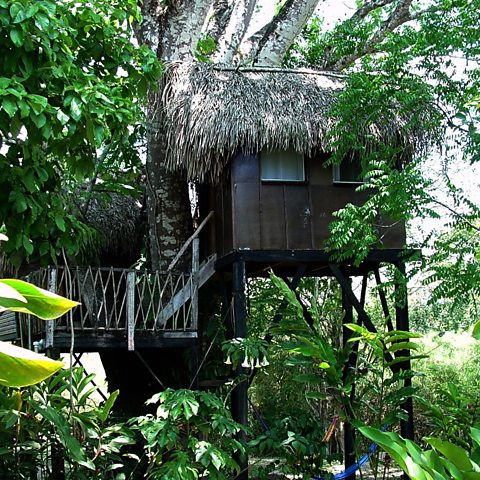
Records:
x=168, y=204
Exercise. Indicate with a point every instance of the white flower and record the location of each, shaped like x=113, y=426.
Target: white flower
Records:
x=257, y=364
x=265, y=362
x=246, y=362
x=228, y=361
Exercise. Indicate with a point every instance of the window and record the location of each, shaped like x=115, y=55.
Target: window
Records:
x=282, y=166
x=349, y=171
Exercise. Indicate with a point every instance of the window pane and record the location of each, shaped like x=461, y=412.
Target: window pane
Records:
x=348, y=171
x=282, y=165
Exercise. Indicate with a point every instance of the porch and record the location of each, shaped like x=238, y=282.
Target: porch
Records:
x=119, y=308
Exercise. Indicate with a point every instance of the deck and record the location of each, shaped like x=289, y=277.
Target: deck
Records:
x=119, y=308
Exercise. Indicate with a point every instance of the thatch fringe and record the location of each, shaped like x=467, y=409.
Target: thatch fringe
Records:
x=118, y=218
x=210, y=112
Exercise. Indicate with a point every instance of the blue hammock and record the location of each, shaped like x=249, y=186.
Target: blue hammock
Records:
x=340, y=475
x=353, y=468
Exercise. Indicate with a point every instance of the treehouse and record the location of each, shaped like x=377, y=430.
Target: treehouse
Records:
x=256, y=143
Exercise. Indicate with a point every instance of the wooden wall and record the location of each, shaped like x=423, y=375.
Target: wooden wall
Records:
x=256, y=215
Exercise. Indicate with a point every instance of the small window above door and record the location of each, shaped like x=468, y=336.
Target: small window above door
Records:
x=282, y=166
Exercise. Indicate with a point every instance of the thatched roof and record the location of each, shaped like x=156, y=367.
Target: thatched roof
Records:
x=119, y=219
x=210, y=112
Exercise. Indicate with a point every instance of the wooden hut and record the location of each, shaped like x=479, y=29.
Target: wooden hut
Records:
x=257, y=142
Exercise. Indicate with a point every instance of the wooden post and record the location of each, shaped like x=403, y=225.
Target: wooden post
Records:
x=194, y=311
x=194, y=280
x=402, y=323
x=50, y=324
x=239, y=394
x=348, y=432
x=131, y=310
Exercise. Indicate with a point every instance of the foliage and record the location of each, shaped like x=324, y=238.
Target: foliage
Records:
x=452, y=415
x=444, y=460
x=21, y=367
x=56, y=426
x=297, y=444
x=19, y=296
x=252, y=351
x=446, y=399
x=71, y=84
x=191, y=435
x=417, y=62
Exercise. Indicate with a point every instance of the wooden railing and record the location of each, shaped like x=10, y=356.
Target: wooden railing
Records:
x=120, y=300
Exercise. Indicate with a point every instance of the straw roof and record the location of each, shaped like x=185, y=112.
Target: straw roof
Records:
x=119, y=220
x=210, y=112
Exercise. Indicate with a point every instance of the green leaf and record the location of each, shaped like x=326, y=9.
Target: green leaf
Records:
x=35, y=301
x=457, y=455
x=38, y=103
x=20, y=367
x=62, y=117
x=60, y=223
x=308, y=378
x=38, y=120
x=103, y=413
x=476, y=331
x=27, y=244
x=10, y=106
x=17, y=36
x=17, y=12
x=76, y=108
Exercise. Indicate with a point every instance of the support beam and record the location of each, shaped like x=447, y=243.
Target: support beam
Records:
x=362, y=314
x=402, y=323
x=348, y=431
x=383, y=300
x=239, y=394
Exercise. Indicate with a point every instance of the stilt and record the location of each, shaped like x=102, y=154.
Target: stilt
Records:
x=402, y=323
x=239, y=394
x=348, y=432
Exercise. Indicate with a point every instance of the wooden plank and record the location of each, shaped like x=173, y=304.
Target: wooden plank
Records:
x=298, y=214
x=227, y=218
x=8, y=326
x=272, y=217
x=246, y=216
x=321, y=217
x=189, y=241
x=245, y=184
x=50, y=324
x=207, y=269
x=195, y=268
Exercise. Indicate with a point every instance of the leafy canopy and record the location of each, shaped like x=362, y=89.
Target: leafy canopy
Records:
x=417, y=61
x=71, y=83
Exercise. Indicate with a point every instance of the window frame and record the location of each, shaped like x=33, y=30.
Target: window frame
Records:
x=300, y=159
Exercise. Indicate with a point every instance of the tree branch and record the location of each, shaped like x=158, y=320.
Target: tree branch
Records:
x=368, y=7
x=235, y=30
x=399, y=16
x=218, y=19
x=279, y=34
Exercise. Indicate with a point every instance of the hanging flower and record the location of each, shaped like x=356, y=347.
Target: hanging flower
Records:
x=228, y=361
x=257, y=364
x=264, y=362
x=246, y=362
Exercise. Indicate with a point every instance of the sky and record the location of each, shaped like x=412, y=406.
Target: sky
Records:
x=332, y=11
